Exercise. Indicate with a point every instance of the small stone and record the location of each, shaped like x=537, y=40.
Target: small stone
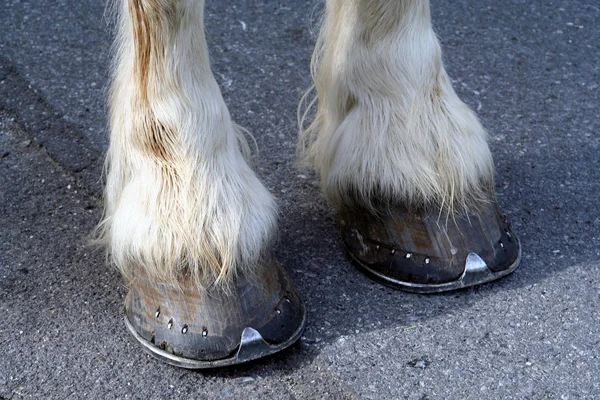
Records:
x=420, y=363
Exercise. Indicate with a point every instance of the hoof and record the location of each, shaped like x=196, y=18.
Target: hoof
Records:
x=198, y=329
x=429, y=252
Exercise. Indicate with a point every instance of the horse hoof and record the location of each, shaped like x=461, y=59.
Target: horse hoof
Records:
x=429, y=251
x=209, y=328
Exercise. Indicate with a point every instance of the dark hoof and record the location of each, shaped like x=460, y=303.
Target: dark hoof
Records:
x=197, y=329
x=428, y=251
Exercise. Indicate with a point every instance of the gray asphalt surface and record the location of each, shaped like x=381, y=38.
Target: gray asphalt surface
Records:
x=530, y=68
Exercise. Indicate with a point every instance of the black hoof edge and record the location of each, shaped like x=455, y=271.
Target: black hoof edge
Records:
x=199, y=329
x=428, y=251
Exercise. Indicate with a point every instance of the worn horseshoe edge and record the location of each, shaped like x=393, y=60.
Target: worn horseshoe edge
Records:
x=476, y=272
x=252, y=347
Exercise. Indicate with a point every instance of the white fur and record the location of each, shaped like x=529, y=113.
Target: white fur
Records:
x=389, y=125
x=193, y=207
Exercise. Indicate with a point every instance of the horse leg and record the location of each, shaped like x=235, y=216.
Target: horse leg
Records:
x=403, y=160
x=187, y=222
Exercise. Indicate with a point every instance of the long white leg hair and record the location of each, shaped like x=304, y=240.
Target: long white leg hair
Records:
x=388, y=124
x=180, y=199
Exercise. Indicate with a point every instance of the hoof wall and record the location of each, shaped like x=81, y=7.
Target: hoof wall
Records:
x=200, y=329
x=429, y=252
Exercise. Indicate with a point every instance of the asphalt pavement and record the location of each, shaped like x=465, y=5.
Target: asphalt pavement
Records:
x=531, y=69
